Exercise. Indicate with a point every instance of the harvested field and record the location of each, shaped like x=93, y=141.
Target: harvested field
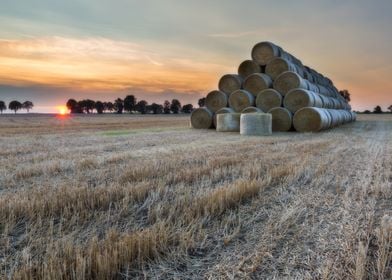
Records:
x=146, y=197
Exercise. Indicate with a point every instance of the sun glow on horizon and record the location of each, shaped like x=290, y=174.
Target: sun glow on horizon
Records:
x=62, y=110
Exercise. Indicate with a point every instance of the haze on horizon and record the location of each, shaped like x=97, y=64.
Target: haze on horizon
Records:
x=53, y=50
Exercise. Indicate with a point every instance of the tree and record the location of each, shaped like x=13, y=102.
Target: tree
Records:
x=108, y=106
x=390, y=108
x=345, y=94
x=202, y=102
x=366, y=112
x=156, y=108
x=73, y=106
x=119, y=105
x=129, y=103
x=15, y=106
x=27, y=105
x=141, y=106
x=166, y=107
x=187, y=109
x=377, y=110
x=99, y=107
x=175, y=106
x=3, y=107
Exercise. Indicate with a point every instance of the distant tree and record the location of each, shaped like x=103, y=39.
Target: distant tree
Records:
x=166, y=107
x=366, y=112
x=15, y=106
x=141, y=106
x=73, y=106
x=187, y=109
x=27, y=105
x=99, y=107
x=87, y=105
x=156, y=108
x=346, y=94
x=129, y=103
x=3, y=107
x=119, y=105
x=108, y=106
x=175, y=106
x=377, y=110
x=390, y=108
x=202, y=102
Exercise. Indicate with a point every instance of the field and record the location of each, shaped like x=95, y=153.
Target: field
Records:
x=146, y=197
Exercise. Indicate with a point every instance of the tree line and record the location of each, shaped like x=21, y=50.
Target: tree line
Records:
x=16, y=106
x=376, y=110
x=129, y=104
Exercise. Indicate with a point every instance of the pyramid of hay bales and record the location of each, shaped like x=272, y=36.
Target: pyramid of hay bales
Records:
x=275, y=82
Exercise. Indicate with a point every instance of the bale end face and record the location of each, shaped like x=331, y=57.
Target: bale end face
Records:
x=256, y=124
x=310, y=119
x=251, y=110
x=268, y=99
x=201, y=118
x=241, y=99
x=282, y=119
x=216, y=100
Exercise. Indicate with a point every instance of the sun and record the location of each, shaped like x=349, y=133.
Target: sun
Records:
x=62, y=110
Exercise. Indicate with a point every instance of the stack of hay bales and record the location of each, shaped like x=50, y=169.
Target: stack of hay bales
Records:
x=275, y=82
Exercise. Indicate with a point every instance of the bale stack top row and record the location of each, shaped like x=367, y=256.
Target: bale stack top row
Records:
x=276, y=82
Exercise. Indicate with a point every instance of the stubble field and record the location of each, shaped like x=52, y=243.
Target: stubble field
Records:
x=123, y=197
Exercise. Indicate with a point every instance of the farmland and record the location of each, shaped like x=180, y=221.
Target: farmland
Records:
x=146, y=197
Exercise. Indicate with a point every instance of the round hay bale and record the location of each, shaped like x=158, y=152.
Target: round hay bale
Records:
x=289, y=80
x=248, y=67
x=228, y=122
x=311, y=119
x=277, y=66
x=282, y=119
x=300, y=98
x=256, y=124
x=263, y=52
x=216, y=100
x=251, y=110
x=326, y=101
x=221, y=111
x=241, y=99
x=257, y=82
x=230, y=83
x=201, y=118
x=268, y=99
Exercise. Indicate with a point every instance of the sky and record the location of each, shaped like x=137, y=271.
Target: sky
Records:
x=53, y=50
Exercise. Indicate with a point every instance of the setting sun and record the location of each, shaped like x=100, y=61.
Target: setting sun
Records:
x=62, y=110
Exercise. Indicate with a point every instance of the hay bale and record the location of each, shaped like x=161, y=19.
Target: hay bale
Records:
x=248, y=67
x=241, y=99
x=282, y=119
x=300, y=98
x=251, y=110
x=221, y=111
x=256, y=83
x=263, y=52
x=216, y=100
x=201, y=118
x=277, y=66
x=311, y=119
x=228, y=122
x=289, y=80
x=230, y=83
x=256, y=124
x=268, y=99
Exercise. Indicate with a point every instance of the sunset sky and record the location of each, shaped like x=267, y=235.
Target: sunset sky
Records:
x=52, y=50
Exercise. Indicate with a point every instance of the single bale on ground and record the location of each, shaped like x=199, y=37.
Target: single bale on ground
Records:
x=289, y=80
x=230, y=83
x=311, y=119
x=257, y=82
x=221, y=111
x=241, y=99
x=282, y=119
x=251, y=110
x=256, y=124
x=268, y=99
x=228, y=122
x=248, y=67
x=201, y=118
x=300, y=98
x=216, y=100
